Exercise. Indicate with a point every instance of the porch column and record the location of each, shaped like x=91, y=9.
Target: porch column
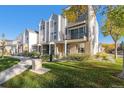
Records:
x=55, y=50
x=41, y=50
x=17, y=49
x=65, y=48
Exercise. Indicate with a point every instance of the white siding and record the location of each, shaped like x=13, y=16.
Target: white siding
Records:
x=93, y=30
x=59, y=27
x=33, y=37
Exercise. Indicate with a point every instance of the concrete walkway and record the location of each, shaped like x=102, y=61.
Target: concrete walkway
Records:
x=22, y=66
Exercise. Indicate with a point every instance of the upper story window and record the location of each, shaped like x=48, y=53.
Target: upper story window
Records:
x=27, y=38
x=81, y=32
x=43, y=27
x=55, y=37
x=51, y=24
x=76, y=33
x=55, y=23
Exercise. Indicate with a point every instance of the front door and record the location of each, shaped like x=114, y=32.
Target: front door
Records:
x=52, y=49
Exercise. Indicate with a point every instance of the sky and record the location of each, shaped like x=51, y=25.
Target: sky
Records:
x=15, y=19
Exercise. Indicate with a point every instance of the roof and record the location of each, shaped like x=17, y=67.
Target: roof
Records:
x=37, y=32
x=32, y=31
x=7, y=40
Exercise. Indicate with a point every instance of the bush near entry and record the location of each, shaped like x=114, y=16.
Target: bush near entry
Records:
x=45, y=58
x=34, y=54
x=78, y=57
x=26, y=53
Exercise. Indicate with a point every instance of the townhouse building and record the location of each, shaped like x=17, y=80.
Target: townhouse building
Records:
x=30, y=39
x=8, y=50
x=19, y=44
x=59, y=37
x=52, y=34
x=82, y=35
x=26, y=40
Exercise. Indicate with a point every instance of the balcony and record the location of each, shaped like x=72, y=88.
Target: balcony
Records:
x=77, y=31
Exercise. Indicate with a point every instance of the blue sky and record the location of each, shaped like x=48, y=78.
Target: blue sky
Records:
x=15, y=19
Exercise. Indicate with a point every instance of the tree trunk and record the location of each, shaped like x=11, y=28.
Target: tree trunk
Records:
x=2, y=52
x=116, y=53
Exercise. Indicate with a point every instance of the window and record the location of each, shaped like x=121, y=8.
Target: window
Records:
x=85, y=31
x=55, y=37
x=81, y=32
x=77, y=33
x=81, y=48
x=51, y=24
x=51, y=37
x=74, y=34
x=55, y=23
x=43, y=27
x=27, y=38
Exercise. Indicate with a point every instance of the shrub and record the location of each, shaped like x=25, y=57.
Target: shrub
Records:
x=45, y=58
x=55, y=56
x=78, y=57
x=102, y=55
x=98, y=55
x=26, y=53
x=34, y=54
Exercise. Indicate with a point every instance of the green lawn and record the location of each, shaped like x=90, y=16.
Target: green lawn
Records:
x=7, y=62
x=72, y=75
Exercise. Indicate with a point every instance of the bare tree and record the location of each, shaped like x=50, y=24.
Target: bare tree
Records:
x=3, y=45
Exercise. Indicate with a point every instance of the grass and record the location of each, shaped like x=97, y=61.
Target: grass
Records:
x=72, y=75
x=7, y=62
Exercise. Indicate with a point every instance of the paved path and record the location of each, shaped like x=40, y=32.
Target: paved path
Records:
x=22, y=66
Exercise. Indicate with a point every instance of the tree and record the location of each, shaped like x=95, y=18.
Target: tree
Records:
x=114, y=24
x=108, y=47
x=3, y=45
x=73, y=12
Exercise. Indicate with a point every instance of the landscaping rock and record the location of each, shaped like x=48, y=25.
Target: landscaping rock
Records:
x=36, y=64
x=37, y=67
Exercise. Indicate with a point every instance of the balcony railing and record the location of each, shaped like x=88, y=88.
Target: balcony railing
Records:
x=69, y=37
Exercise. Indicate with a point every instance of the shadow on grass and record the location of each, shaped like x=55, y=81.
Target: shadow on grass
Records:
x=87, y=76
x=7, y=62
x=69, y=75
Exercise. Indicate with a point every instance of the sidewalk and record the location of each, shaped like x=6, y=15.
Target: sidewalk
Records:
x=24, y=64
